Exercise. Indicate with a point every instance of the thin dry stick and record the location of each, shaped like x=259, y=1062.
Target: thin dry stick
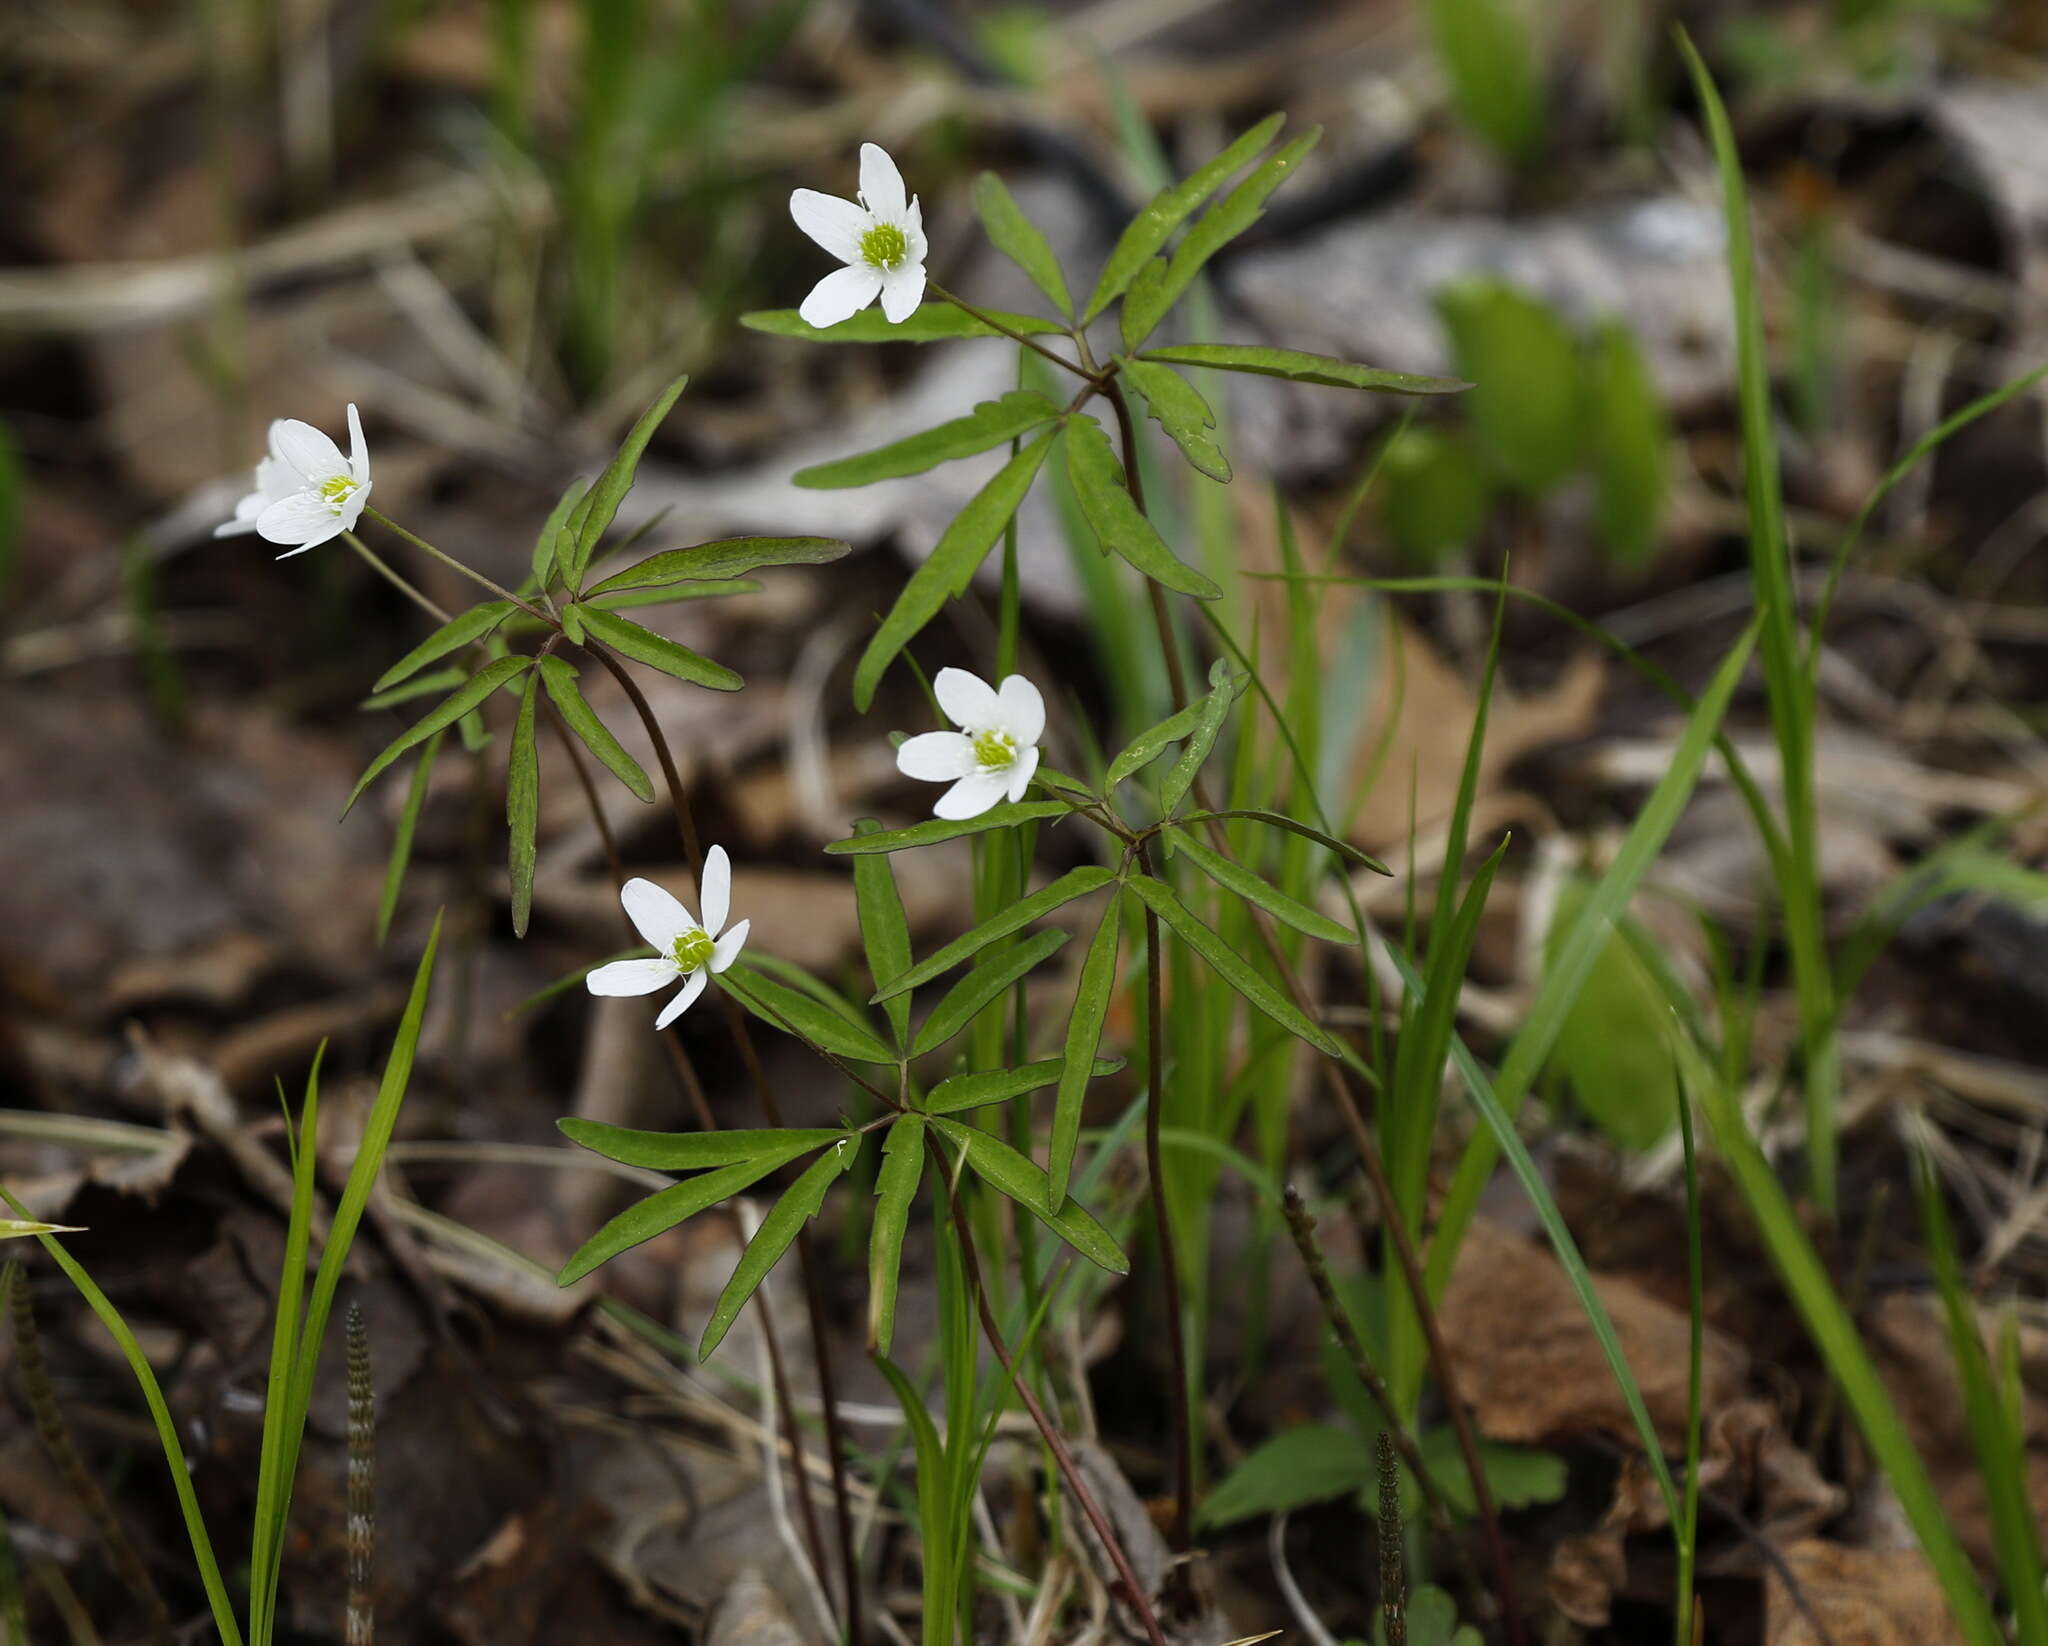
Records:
x=1070, y=1471
x=362, y=1482
x=56, y=1436
x=821, y=1348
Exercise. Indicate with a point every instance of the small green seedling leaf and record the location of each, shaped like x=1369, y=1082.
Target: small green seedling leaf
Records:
x=990, y=424
x=480, y=686
x=780, y=1227
x=1084, y=1034
x=560, y=679
x=1010, y=1174
x=951, y=566
x=1005, y=816
x=1177, y=407
x=522, y=805
x=932, y=323
x=985, y=983
x=1074, y=883
x=895, y=1188
x=1297, y=1467
x=657, y=651
x=1299, y=367
x=1020, y=240
x=1116, y=519
x=453, y=635
x=719, y=562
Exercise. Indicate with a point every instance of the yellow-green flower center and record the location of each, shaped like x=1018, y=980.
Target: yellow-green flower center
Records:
x=994, y=750
x=692, y=949
x=337, y=490
x=883, y=246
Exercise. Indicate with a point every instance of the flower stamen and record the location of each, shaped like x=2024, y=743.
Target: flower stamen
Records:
x=692, y=949
x=994, y=750
x=336, y=490
x=883, y=246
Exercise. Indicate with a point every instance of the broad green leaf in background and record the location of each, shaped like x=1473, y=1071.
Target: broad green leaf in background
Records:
x=1084, y=1033
x=990, y=424
x=1116, y=519
x=794, y=1012
x=1229, y=965
x=1074, y=883
x=932, y=323
x=1434, y=493
x=1298, y=367
x=1494, y=68
x=522, y=805
x=601, y=506
x=1177, y=407
x=895, y=1188
x=951, y=566
x=985, y=984
x=1149, y=302
x=657, y=651
x=1169, y=208
x=718, y=562
x=560, y=679
x=453, y=708
x=1631, y=445
x=1526, y=402
x=781, y=1226
x=1433, y=1620
x=1010, y=1174
x=884, y=931
x=1004, y=816
x=453, y=635
x=1614, y=1045
x=1299, y=1466
x=1020, y=240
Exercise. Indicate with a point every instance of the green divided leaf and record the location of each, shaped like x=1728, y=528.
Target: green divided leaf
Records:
x=420, y=685
x=693, y=1151
x=884, y=931
x=951, y=566
x=985, y=983
x=657, y=651
x=1178, y=408
x=1235, y=877
x=1149, y=745
x=895, y=1188
x=1171, y=207
x=1084, y=1034
x=1277, y=820
x=1009, y=1173
x=662, y=1211
x=453, y=635
x=558, y=533
x=986, y=1086
x=522, y=806
x=1020, y=240
x=560, y=679
x=932, y=323
x=480, y=686
x=1299, y=367
x=794, y=1012
x=1074, y=883
x=1221, y=223
x=781, y=1226
x=1224, y=687
x=1116, y=518
x=1005, y=816
x=719, y=562
x=989, y=425
x=597, y=511
x=1228, y=965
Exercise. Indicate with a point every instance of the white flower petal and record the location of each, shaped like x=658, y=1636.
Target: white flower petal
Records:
x=304, y=518
x=358, y=449
x=1020, y=773
x=240, y=526
x=881, y=184
x=835, y=224
x=352, y=507
x=692, y=987
x=969, y=701
x=972, y=795
x=632, y=977
x=902, y=291
x=728, y=947
x=276, y=479
x=307, y=450
x=1023, y=709
x=656, y=916
x=841, y=295
x=936, y=757
x=715, y=892
x=915, y=246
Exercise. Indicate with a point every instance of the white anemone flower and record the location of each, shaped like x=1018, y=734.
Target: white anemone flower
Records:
x=687, y=949
x=880, y=239
x=306, y=491
x=993, y=754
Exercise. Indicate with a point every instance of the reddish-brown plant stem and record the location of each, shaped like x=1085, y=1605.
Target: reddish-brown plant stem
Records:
x=1062, y=1455
x=821, y=1346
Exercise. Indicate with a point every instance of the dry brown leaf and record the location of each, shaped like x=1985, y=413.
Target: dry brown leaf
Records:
x=1864, y=1597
